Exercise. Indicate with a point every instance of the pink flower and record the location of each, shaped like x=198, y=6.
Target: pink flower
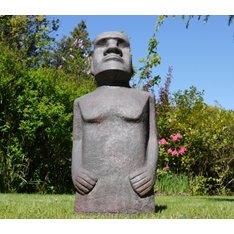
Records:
x=173, y=137
x=163, y=141
x=182, y=150
x=169, y=151
x=179, y=136
x=176, y=137
x=175, y=152
x=166, y=168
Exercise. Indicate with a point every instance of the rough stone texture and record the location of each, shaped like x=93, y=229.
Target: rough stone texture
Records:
x=114, y=136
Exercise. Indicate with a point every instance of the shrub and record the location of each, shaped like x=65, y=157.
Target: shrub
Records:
x=208, y=136
x=169, y=182
x=36, y=126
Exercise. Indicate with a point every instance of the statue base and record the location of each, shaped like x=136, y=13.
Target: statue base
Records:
x=114, y=195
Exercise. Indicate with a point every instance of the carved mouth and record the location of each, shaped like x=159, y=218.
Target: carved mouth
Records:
x=113, y=56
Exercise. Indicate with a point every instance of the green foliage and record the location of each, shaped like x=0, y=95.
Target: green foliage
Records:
x=36, y=125
x=147, y=80
x=73, y=53
x=36, y=103
x=171, y=183
x=30, y=36
x=208, y=136
x=13, y=164
x=204, y=18
x=187, y=19
x=230, y=19
x=190, y=17
x=201, y=185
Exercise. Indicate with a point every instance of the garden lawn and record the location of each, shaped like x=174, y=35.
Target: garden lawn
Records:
x=39, y=206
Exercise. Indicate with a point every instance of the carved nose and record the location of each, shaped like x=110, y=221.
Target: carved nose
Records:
x=113, y=50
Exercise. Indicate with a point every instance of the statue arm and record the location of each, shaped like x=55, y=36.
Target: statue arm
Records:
x=83, y=180
x=143, y=179
x=152, y=147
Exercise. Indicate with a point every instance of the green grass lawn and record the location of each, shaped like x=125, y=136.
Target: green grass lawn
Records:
x=38, y=206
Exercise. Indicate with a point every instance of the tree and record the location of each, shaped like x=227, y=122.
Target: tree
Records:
x=36, y=110
x=72, y=53
x=30, y=36
x=205, y=19
x=188, y=18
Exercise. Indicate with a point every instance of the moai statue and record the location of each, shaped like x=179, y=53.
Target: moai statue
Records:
x=115, y=146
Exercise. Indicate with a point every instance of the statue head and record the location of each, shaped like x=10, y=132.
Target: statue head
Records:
x=112, y=61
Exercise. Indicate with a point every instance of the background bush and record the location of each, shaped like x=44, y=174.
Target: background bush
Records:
x=208, y=136
x=36, y=111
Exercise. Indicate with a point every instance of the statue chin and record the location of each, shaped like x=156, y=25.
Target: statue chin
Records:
x=113, y=77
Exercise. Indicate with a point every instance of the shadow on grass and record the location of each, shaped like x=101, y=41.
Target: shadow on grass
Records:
x=227, y=199
x=160, y=208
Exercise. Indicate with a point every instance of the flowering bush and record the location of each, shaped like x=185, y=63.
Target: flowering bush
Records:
x=208, y=136
x=171, y=152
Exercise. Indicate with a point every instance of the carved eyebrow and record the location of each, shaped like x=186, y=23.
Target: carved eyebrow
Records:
x=102, y=41
x=123, y=41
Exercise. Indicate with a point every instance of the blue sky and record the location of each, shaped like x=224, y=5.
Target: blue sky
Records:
x=202, y=55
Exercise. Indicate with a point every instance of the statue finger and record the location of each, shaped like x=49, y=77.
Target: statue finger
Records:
x=138, y=178
x=79, y=190
x=142, y=182
x=144, y=189
x=88, y=179
x=82, y=189
x=85, y=183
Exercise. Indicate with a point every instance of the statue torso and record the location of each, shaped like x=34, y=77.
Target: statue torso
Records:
x=115, y=129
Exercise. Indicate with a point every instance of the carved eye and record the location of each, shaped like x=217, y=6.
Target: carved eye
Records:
x=122, y=43
x=101, y=42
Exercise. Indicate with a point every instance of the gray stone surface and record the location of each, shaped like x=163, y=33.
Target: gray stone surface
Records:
x=114, y=136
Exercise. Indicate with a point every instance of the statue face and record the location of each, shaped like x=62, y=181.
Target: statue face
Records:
x=111, y=52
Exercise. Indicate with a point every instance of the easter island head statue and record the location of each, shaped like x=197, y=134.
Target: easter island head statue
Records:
x=112, y=60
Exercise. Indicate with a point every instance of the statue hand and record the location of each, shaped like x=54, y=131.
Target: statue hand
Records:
x=142, y=181
x=84, y=182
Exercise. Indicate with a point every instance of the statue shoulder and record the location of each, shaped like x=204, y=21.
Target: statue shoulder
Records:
x=145, y=94
x=84, y=99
